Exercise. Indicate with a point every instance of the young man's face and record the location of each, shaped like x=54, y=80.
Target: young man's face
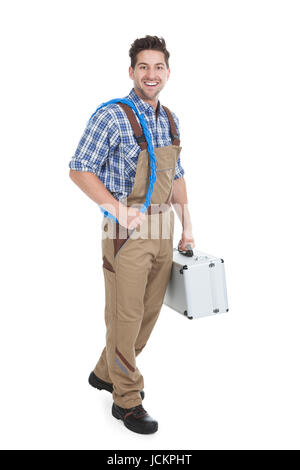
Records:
x=150, y=68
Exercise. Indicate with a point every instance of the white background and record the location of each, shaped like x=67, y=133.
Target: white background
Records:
x=223, y=382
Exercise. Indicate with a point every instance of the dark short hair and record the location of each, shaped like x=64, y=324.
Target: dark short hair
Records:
x=148, y=43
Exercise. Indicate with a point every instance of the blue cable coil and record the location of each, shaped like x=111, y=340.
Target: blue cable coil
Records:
x=152, y=158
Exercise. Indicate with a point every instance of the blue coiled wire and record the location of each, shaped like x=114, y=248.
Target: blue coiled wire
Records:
x=153, y=159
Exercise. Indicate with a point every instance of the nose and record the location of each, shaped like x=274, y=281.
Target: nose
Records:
x=151, y=76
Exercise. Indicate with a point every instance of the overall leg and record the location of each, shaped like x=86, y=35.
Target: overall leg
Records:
x=156, y=286
x=101, y=368
x=124, y=309
x=158, y=280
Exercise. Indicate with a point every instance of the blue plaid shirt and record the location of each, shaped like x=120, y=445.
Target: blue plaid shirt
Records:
x=109, y=150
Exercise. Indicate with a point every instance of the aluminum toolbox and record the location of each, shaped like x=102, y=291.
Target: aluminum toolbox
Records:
x=197, y=285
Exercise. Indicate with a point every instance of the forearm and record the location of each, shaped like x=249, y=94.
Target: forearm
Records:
x=180, y=203
x=93, y=187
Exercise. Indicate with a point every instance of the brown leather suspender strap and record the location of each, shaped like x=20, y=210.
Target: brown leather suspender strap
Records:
x=137, y=130
x=173, y=131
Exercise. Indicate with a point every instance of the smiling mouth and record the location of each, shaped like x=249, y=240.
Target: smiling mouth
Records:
x=150, y=84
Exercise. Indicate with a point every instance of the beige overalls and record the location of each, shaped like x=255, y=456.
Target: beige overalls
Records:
x=136, y=266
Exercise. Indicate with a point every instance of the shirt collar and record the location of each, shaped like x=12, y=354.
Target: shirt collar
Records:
x=141, y=105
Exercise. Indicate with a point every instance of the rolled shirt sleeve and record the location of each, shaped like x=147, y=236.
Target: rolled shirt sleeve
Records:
x=179, y=171
x=94, y=146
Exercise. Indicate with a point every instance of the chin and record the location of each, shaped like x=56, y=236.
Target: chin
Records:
x=149, y=93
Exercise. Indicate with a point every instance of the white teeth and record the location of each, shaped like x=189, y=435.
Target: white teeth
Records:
x=151, y=83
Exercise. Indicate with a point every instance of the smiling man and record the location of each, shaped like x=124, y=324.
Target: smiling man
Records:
x=111, y=165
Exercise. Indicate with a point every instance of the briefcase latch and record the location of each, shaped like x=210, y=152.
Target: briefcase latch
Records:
x=183, y=267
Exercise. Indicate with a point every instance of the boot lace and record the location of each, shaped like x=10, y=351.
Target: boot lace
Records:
x=139, y=411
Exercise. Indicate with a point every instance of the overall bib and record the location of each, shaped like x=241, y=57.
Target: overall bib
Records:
x=136, y=266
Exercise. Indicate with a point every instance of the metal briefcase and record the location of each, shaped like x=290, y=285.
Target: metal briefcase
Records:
x=197, y=285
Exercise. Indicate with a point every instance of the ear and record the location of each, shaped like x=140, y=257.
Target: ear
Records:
x=130, y=72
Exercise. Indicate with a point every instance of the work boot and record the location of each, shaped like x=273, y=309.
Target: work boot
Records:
x=94, y=381
x=136, y=419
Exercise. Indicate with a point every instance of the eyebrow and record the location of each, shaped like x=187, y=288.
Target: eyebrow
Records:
x=145, y=63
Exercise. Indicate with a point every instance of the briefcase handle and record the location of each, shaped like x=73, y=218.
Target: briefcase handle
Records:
x=188, y=252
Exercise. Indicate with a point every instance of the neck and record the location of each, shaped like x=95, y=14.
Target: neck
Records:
x=153, y=102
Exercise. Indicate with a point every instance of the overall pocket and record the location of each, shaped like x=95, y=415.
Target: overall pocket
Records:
x=107, y=265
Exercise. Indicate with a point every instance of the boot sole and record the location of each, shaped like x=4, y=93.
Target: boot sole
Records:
x=118, y=416
x=95, y=382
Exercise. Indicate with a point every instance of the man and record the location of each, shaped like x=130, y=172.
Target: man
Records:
x=111, y=165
